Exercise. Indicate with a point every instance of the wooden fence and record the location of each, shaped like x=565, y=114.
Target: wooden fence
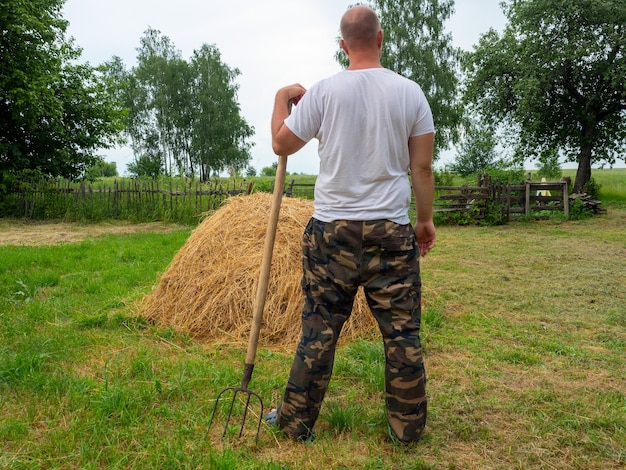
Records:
x=510, y=199
x=178, y=201
x=185, y=201
x=477, y=201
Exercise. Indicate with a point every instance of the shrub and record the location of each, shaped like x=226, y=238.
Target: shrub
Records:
x=494, y=215
x=578, y=210
x=592, y=188
x=549, y=166
x=444, y=177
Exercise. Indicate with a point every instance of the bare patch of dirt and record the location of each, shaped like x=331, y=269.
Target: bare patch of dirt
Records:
x=20, y=233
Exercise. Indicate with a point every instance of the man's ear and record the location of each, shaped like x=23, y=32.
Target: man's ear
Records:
x=344, y=46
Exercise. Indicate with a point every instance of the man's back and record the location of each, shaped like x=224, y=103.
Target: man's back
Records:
x=363, y=120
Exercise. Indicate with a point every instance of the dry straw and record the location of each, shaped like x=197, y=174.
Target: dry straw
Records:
x=209, y=288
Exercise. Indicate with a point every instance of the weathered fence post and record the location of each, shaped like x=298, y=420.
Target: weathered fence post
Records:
x=171, y=199
x=527, y=199
x=508, y=202
x=565, y=198
x=289, y=192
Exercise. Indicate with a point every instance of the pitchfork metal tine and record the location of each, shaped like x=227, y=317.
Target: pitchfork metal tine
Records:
x=249, y=394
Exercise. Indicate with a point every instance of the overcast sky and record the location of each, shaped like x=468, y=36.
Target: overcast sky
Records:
x=273, y=43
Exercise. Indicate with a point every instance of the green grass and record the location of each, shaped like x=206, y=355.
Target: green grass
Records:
x=612, y=183
x=524, y=333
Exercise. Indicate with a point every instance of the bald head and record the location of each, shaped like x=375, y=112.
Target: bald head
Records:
x=360, y=27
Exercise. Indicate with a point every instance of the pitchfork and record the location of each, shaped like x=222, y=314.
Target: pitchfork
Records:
x=259, y=304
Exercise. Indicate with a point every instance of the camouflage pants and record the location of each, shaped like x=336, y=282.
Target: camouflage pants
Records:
x=338, y=257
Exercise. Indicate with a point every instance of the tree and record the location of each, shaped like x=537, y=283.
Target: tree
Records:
x=549, y=165
x=183, y=113
x=156, y=80
x=219, y=133
x=555, y=78
x=150, y=161
x=101, y=169
x=417, y=47
x=127, y=90
x=269, y=170
x=55, y=114
x=476, y=152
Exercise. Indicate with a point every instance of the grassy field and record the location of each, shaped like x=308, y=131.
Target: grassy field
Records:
x=612, y=183
x=524, y=331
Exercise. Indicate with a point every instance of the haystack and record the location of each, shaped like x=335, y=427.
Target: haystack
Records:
x=209, y=288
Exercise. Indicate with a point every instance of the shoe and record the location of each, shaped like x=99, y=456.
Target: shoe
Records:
x=270, y=418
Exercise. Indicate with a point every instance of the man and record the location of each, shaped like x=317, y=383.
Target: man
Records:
x=373, y=127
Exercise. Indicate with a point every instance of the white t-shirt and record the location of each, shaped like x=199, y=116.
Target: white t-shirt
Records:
x=363, y=120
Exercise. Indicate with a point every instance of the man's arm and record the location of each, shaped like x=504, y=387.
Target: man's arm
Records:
x=285, y=142
x=423, y=182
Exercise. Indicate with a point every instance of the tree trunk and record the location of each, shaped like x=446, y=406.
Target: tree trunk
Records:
x=583, y=174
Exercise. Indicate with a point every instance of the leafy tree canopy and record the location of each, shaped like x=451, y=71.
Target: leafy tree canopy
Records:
x=55, y=114
x=101, y=169
x=183, y=116
x=476, y=152
x=555, y=79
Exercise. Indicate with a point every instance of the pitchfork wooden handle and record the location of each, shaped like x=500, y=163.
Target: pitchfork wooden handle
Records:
x=266, y=264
